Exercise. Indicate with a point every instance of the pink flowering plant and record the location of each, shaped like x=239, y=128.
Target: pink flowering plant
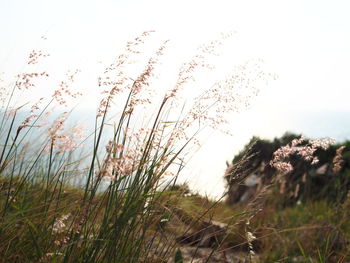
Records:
x=305, y=150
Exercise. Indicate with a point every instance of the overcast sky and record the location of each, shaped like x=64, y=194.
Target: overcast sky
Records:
x=306, y=43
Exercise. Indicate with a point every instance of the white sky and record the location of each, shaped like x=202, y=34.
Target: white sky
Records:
x=306, y=43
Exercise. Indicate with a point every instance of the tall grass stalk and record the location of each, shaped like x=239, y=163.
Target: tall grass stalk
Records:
x=113, y=214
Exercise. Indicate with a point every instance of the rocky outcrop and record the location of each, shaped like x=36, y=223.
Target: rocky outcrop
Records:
x=325, y=179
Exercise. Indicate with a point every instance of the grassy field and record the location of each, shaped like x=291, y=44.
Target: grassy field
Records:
x=116, y=200
x=34, y=229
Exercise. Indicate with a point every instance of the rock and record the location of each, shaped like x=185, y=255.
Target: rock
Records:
x=209, y=234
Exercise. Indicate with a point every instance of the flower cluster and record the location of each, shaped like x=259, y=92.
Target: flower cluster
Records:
x=250, y=238
x=114, y=80
x=80, y=220
x=213, y=107
x=63, y=92
x=3, y=91
x=59, y=225
x=125, y=158
x=230, y=95
x=32, y=115
x=281, y=157
x=64, y=140
x=119, y=160
x=142, y=83
x=35, y=55
x=199, y=60
x=26, y=80
x=338, y=160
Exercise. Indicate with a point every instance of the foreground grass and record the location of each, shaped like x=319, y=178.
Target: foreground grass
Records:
x=311, y=232
x=43, y=224
x=26, y=225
